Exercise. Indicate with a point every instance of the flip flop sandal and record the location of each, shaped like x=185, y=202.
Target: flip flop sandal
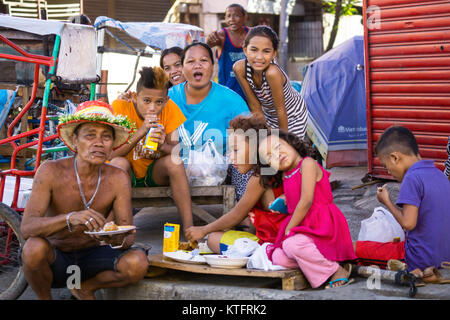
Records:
x=346, y=280
x=433, y=275
x=348, y=267
x=445, y=265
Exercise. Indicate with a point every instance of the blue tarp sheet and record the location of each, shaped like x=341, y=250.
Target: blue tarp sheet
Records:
x=334, y=91
x=158, y=35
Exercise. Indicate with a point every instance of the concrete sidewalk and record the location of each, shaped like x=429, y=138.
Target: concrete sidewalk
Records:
x=187, y=286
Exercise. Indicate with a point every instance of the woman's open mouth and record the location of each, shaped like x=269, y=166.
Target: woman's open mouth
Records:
x=198, y=76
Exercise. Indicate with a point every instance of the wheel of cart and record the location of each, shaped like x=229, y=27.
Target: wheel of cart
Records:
x=73, y=60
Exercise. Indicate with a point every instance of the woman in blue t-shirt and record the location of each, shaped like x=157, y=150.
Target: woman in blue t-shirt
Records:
x=207, y=106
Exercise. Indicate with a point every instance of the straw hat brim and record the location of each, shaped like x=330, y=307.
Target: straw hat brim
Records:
x=65, y=131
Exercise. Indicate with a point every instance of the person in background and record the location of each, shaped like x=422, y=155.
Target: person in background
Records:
x=266, y=86
x=422, y=207
x=151, y=108
x=170, y=61
x=208, y=106
x=229, y=42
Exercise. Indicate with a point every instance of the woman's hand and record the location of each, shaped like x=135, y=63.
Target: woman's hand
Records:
x=287, y=230
x=195, y=233
x=125, y=96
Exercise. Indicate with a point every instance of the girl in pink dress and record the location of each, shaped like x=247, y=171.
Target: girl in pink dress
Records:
x=315, y=235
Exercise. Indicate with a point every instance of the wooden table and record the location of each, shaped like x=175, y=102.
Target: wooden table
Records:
x=162, y=197
x=291, y=279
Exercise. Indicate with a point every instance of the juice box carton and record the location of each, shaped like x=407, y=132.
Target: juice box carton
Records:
x=171, y=237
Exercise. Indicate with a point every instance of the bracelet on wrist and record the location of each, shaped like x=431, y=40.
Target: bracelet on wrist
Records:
x=68, y=221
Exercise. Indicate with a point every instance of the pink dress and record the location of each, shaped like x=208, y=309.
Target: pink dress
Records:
x=324, y=222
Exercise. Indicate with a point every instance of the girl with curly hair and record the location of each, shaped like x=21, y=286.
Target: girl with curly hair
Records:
x=315, y=235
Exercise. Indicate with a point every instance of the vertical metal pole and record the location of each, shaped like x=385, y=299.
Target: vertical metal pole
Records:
x=283, y=34
x=48, y=85
x=100, y=44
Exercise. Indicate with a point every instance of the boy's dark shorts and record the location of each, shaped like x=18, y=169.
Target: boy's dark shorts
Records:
x=90, y=261
x=146, y=181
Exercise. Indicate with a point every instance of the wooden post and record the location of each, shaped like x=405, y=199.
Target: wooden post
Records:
x=283, y=34
x=229, y=197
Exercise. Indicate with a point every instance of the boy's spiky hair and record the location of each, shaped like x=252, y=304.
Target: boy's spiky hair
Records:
x=152, y=78
x=397, y=138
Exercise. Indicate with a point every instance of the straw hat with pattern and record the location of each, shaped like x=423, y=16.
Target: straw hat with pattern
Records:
x=99, y=112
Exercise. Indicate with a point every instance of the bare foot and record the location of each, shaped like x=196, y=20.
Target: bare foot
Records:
x=340, y=273
x=81, y=294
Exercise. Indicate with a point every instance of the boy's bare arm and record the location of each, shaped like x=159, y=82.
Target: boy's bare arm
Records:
x=215, y=39
x=127, y=147
x=406, y=217
x=171, y=141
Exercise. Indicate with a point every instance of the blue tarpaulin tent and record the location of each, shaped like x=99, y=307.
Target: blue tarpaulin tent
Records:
x=334, y=92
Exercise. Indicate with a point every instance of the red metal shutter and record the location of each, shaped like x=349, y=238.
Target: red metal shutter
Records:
x=407, y=53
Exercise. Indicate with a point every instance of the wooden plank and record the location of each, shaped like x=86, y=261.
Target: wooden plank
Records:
x=158, y=260
x=295, y=282
x=156, y=192
x=202, y=214
x=162, y=197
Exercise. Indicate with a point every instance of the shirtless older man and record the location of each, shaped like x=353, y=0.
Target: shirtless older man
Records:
x=74, y=195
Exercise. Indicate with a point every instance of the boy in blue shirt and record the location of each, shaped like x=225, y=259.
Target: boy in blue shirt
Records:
x=229, y=43
x=424, y=201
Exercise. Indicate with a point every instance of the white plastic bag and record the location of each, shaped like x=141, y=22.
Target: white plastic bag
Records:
x=380, y=227
x=242, y=247
x=260, y=261
x=206, y=167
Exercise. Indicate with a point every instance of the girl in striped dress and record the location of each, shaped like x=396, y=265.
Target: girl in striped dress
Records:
x=267, y=86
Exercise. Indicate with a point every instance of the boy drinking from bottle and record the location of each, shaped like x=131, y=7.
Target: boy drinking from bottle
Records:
x=152, y=110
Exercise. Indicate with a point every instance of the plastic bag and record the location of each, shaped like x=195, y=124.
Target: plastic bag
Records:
x=242, y=247
x=206, y=167
x=259, y=260
x=380, y=227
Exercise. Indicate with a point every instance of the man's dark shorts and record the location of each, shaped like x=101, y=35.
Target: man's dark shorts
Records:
x=90, y=261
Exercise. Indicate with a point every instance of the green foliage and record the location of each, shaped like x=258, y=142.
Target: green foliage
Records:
x=348, y=7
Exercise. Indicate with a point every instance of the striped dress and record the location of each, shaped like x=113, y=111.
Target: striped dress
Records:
x=296, y=110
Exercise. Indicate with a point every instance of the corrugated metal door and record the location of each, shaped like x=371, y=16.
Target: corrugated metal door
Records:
x=407, y=52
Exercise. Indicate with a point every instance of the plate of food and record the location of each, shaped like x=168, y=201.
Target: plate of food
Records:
x=221, y=261
x=185, y=257
x=111, y=228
